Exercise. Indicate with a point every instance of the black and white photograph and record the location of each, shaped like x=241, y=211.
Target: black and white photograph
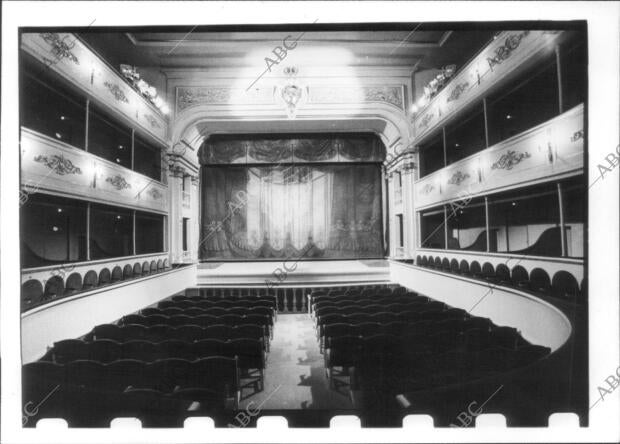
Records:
x=310, y=221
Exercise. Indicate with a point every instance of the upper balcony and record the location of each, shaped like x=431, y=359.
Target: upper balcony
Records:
x=66, y=55
x=54, y=166
x=509, y=52
x=553, y=149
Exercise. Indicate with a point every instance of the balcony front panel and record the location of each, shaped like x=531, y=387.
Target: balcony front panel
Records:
x=547, y=151
x=65, y=54
x=50, y=165
x=509, y=51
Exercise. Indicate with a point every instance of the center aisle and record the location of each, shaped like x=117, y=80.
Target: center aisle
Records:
x=295, y=374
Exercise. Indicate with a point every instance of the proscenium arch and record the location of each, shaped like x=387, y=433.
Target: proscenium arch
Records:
x=195, y=124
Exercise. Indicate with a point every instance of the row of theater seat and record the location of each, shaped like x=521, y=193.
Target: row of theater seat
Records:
x=87, y=390
x=107, y=350
x=185, y=333
x=394, y=350
x=250, y=352
x=563, y=285
x=182, y=333
x=392, y=365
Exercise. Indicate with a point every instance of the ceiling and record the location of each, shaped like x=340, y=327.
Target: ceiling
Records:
x=412, y=46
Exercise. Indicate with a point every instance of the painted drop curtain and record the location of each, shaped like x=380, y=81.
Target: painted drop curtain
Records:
x=291, y=211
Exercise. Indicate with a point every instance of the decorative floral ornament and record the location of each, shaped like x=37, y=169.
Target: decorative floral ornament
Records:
x=118, y=182
x=58, y=164
x=458, y=178
x=508, y=160
x=60, y=49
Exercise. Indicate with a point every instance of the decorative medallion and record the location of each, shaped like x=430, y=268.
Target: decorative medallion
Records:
x=118, y=182
x=426, y=189
x=426, y=120
x=154, y=193
x=504, y=51
x=58, y=164
x=577, y=136
x=60, y=48
x=116, y=91
x=291, y=95
x=458, y=178
x=152, y=121
x=509, y=159
x=457, y=91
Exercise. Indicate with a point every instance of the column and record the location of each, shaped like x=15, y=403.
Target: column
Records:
x=175, y=217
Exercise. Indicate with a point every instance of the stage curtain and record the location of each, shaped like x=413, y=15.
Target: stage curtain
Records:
x=295, y=211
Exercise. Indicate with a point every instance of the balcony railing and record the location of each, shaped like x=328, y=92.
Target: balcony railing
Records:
x=547, y=151
x=509, y=51
x=47, y=164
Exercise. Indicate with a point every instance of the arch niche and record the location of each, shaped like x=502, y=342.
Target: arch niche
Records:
x=195, y=125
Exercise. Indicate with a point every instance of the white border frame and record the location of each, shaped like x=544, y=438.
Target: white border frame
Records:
x=603, y=31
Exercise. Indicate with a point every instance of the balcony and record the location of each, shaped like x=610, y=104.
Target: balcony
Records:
x=509, y=52
x=551, y=150
x=65, y=54
x=54, y=166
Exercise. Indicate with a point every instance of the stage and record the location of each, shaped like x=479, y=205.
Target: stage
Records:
x=291, y=273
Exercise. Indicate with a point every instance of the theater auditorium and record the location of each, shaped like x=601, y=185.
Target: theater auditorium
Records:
x=304, y=221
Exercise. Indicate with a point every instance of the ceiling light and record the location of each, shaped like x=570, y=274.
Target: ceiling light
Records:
x=514, y=204
x=457, y=145
x=118, y=160
x=118, y=217
x=508, y=116
x=55, y=228
x=62, y=117
x=58, y=136
x=120, y=147
x=59, y=210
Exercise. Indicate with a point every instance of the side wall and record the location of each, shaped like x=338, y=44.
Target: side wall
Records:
x=75, y=316
x=538, y=321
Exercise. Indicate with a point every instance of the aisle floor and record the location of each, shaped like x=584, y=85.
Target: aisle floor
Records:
x=295, y=375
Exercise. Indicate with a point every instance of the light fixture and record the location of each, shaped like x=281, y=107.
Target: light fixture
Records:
x=456, y=145
x=58, y=136
x=120, y=147
x=514, y=204
x=118, y=217
x=508, y=116
x=148, y=91
x=62, y=117
x=59, y=210
x=55, y=228
x=118, y=160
